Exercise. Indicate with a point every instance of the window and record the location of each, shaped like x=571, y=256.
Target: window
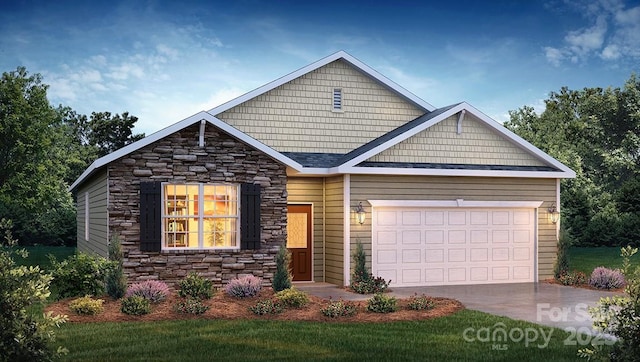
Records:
x=200, y=216
x=86, y=216
x=337, y=99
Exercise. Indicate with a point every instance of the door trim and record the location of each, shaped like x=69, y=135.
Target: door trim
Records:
x=312, y=241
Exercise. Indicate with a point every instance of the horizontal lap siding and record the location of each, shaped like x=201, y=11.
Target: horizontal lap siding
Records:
x=334, y=230
x=309, y=190
x=98, y=234
x=365, y=188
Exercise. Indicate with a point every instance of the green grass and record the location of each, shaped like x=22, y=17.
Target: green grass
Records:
x=261, y=340
x=587, y=259
x=38, y=255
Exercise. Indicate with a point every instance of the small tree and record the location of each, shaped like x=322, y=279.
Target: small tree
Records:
x=116, y=283
x=23, y=337
x=562, y=263
x=282, y=277
x=360, y=272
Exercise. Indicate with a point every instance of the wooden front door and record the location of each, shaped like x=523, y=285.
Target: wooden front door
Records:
x=299, y=231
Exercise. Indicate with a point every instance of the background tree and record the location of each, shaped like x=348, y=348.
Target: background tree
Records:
x=42, y=151
x=32, y=189
x=596, y=132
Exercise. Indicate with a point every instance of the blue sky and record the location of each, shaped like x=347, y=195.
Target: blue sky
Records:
x=163, y=61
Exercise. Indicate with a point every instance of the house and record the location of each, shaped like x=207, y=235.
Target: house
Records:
x=323, y=158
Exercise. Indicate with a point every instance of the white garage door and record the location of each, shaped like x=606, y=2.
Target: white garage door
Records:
x=444, y=246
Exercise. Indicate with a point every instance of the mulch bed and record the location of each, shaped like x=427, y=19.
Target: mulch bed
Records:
x=583, y=286
x=224, y=307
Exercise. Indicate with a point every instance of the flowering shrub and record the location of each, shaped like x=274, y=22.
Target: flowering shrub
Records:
x=421, y=302
x=381, y=303
x=86, y=305
x=153, y=290
x=135, y=305
x=370, y=286
x=195, y=286
x=605, y=278
x=267, y=306
x=339, y=308
x=191, y=305
x=573, y=278
x=247, y=286
x=292, y=297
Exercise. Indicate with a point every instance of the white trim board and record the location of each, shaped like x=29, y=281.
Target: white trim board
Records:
x=456, y=203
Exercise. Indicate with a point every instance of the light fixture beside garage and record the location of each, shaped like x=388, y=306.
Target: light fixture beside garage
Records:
x=361, y=215
x=554, y=214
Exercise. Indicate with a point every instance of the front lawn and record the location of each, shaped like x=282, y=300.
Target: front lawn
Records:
x=440, y=339
x=587, y=259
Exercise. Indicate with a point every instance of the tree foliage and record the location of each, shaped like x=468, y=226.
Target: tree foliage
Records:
x=596, y=132
x=43, y=149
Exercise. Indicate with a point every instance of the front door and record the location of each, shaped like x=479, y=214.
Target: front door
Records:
x=299, y=230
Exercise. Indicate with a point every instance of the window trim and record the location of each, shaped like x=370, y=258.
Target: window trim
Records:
x=199, y=214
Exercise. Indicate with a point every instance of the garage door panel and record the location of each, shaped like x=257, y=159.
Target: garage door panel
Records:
x=434, y=256
x=434, y=236
x=411, y=256
x=386, y=237
x=415, y=246
x=434, y=217
x=457, y=218
x=457, y=236
x=411, y=237
x=411, y=218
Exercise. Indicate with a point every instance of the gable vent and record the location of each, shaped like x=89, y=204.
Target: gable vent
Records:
x=337, y=99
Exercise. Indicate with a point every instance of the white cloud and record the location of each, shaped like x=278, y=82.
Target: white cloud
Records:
x=614, y=34
x=554, y=55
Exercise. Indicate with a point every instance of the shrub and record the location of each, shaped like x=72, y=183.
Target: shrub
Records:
x=573, y=278
x=267, y=306
x=78, y=275
x=115, y=283
x=562, y=263
x=381, y=303
x=373, y=285
x=282, y=276
x=292, y=297
x=244, y=287
x=421, y=302
x=153, y=290
x=618, y=316
x=339, y=308
x=86, y=305
x=191, y=305
x=23, y=337
x=605, y=278
x=195, y=286
x=135, y=305
x=362, y=281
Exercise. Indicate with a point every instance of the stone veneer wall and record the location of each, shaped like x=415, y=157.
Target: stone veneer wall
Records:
x=178, y=157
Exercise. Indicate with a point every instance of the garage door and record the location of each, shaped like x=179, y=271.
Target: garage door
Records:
x=444, y=246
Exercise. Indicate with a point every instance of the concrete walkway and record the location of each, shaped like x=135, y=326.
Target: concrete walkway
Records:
x=542, y=303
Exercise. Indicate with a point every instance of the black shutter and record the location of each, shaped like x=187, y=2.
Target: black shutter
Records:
x=150, y=216
x=249, y=216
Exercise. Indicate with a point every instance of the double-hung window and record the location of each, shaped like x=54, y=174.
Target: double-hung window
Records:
x=200, y=216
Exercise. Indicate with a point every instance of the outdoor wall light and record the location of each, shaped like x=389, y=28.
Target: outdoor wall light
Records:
x=361, y=215
x=554, y=214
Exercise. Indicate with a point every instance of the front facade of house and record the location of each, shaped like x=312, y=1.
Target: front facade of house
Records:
x=449, y=195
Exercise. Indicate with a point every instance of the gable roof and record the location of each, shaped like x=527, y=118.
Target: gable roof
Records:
x=198, y=117
x=370, y=72
x=355, y=161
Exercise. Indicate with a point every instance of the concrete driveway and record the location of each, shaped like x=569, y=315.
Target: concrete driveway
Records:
x=542, y=303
